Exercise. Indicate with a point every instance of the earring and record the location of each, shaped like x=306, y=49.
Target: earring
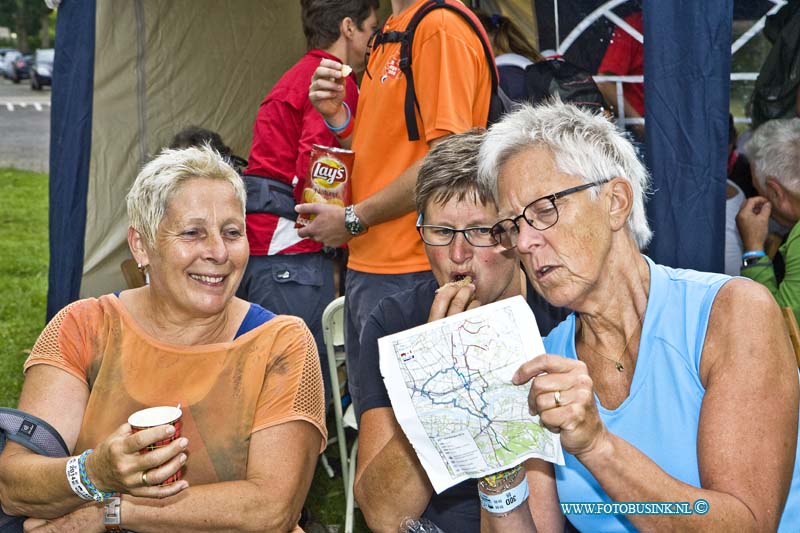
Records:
x=141, y=267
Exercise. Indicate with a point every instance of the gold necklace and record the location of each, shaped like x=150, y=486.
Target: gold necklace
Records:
x=617, y=362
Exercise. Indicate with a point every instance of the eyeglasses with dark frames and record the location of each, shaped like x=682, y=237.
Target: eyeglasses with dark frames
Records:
x=479, y=236
x=541, y=214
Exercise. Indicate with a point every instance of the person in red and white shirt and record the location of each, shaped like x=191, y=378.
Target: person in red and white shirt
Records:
x=288, y=274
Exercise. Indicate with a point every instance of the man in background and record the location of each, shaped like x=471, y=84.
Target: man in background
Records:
x=453, y=87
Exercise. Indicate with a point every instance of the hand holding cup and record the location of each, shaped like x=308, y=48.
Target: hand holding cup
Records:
x=143, y=458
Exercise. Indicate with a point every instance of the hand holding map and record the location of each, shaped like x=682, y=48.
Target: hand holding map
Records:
x=450, y=386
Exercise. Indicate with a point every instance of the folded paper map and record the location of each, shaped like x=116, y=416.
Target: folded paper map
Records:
x=450, y=386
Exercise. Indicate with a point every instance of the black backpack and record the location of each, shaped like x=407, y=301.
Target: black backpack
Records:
x=498, y=104
x=775, y=92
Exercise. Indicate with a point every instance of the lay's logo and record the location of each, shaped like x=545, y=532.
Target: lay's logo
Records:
x=329, y=173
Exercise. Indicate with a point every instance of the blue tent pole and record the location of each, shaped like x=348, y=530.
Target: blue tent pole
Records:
x=70, y=148
x=687, y=84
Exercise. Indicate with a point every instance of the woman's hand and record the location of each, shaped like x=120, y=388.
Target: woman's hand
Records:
x=327, y=90
x=753, y=222
x=117, y=466
x=452, y=299
x=562, y=394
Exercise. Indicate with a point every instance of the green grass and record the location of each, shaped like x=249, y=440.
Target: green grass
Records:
x=24, y=257
x=23, y=273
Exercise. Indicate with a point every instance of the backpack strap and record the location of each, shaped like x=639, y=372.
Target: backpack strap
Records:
x=406, y=39
x=31, y=432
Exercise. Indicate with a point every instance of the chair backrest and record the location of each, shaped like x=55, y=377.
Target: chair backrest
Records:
x=794, y=331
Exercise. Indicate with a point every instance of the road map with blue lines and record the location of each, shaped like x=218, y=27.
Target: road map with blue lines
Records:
x=450, y=386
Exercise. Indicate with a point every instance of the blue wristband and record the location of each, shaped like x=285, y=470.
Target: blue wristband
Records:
x=98, y=495
x=505, y=502
x=343, y=127
x=753, y=253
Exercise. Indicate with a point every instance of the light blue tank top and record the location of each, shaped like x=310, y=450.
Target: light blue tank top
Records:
x=660, y=415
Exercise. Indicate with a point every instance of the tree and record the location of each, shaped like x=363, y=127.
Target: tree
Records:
x=29, y=19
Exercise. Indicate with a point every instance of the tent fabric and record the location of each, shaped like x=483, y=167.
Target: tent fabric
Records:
x=70, y=138
x=171, y=65
x=687, y=73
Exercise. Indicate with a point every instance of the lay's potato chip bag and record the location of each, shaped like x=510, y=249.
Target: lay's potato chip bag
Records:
x=327, y=180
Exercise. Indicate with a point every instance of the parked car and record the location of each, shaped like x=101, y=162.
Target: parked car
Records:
x=8, y=57
x=16, y=66
x=42, y=68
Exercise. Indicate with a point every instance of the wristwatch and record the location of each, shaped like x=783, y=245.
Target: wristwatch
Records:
x=111, y=513
x=352, y=223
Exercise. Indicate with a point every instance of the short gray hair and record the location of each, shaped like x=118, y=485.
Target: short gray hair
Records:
x=162, y=177
x=774, y=150
x=583, y=143
x=450, y=171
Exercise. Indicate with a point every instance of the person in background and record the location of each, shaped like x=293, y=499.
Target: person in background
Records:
x=455, y=216
x=660, y=387
x=738, y=168
x=774, y=155
x=248, y=381
x=513, y=52
x=197, y=137
x=287, y=273
x=453, y=89
x=625, y=57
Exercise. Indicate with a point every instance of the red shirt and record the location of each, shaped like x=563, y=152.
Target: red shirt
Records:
x=625, y=57
x=285, y=128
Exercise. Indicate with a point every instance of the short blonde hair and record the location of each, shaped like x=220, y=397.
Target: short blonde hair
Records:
x=162, y=177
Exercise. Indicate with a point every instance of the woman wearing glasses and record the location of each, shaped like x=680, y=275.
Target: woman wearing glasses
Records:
x=665, y=385
x=455, y=218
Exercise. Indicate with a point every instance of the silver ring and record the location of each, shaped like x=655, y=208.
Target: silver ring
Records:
x=557, y=398
x=144, y=479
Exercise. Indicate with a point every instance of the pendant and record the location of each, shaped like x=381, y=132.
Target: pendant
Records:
x=620, y=368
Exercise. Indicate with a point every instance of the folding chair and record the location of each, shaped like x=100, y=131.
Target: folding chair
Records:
x=794, y=331
x=333, y=333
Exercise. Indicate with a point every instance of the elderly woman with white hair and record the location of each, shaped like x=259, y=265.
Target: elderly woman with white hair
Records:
x=248, y=382
x=665, y=385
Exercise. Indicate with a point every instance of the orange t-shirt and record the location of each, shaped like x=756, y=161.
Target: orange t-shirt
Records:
x=453, y=85
x=227, y=391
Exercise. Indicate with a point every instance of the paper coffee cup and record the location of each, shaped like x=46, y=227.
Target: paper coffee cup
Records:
x=158, y=416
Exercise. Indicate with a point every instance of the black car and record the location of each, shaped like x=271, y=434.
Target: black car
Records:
x=41, y=70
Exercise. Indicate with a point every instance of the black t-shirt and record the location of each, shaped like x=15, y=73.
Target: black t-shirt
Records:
x=458, y=508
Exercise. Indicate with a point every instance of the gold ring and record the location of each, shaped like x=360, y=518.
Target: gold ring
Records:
x=557, y=398
x=144, y=479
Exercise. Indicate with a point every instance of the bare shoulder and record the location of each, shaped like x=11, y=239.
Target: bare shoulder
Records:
x=745, y=326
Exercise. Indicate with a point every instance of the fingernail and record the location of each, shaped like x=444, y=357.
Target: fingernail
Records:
x=170, y=430
x=182, y=458
x=183, y=442
x=515, y=378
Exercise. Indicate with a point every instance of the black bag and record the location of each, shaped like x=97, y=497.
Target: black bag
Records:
x=556, y=77
x=498, y=105
x=268, y=195
x=775, y=92
x=35, y=434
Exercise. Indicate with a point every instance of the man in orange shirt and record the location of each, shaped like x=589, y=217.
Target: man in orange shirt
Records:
x=453, y=85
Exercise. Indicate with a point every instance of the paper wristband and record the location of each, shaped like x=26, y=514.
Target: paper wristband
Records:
x=74, y=479
x=507, y=501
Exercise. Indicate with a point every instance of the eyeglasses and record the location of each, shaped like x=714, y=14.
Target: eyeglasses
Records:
x=479, y=236
x=541, y=214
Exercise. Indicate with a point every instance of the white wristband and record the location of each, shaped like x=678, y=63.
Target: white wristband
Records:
x=504, y=503
x=74, y=479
